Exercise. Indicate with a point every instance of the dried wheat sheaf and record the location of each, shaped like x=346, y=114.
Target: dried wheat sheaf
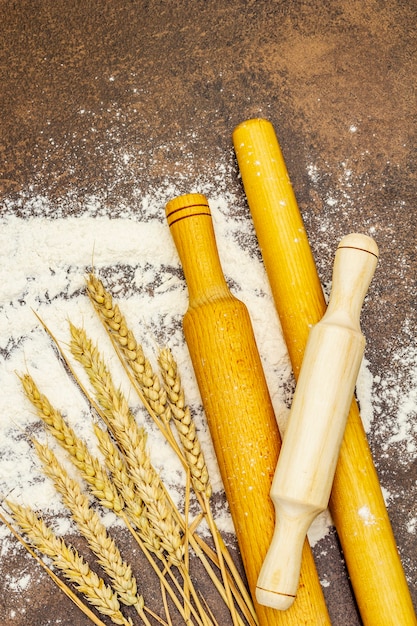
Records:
x=124, y=481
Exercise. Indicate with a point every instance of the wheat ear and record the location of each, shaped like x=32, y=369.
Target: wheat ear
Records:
x=144, y=379
x=59, y=583
x=90, y=526
x=137, y=367
x=184, y=423
x=132, y=441
x=134, y=507
x=162, y=407
x=67, y=559
x=89, y=466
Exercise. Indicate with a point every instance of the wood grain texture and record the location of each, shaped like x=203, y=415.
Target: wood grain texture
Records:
x=244, y=430
x=307, y=462
x=369, y=546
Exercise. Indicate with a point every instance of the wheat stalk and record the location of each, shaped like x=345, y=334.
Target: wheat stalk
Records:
x=130, y=352
x=64, y=587
x=132, y=440
x=108, y=397
x=130, y=348
x=90, y=526
x=67, y=559
x=134, y=507
x=167, y=405
x=184, y=423
x=89, y=466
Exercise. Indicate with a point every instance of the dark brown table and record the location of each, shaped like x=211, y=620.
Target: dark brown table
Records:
x=84, y=84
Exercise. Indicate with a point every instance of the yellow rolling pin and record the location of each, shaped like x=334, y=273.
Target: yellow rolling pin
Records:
x=236, y=400
x=307, y=461
x=370, y=550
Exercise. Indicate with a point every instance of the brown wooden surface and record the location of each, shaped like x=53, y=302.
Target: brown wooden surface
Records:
x=84, y=84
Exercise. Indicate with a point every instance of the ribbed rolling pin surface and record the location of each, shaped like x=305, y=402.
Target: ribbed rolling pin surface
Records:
x=307, y=461
x=245, y=435
x=370, y=550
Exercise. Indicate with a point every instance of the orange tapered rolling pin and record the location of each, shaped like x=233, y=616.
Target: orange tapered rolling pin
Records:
x=370, y=550
x=236, y=400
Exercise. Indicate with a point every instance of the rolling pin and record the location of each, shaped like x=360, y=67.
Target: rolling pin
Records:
x=369, y=546
x=243, y=427
x=307, y=461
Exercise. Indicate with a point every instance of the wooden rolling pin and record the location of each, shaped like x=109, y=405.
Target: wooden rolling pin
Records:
x=368, y=543
x=236, y=400
x=307, y=461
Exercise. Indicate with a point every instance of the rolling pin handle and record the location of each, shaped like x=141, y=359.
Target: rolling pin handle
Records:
x=293, y=521
x=191, y=225
x=354, y=267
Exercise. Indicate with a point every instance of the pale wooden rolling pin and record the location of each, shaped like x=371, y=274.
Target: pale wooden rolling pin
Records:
x=307, y=461
x=370, y=549
x=236, y=400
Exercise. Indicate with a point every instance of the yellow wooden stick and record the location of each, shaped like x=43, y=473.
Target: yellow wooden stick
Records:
x=368, y=543
x=235, y=396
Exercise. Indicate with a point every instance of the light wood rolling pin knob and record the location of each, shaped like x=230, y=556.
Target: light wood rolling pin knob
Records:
x=236, y=400
x=307, y=462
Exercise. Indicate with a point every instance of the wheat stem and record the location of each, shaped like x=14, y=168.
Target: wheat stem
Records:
x=132, y=440
x=229, y=599
x=162, y=577
x=240, y=592
x=166, y=608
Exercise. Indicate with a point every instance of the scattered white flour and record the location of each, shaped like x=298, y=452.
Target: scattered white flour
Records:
x=366, y=515
x=398, y=388
x=412, y=525
x=48, y=257
x=21, y=584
